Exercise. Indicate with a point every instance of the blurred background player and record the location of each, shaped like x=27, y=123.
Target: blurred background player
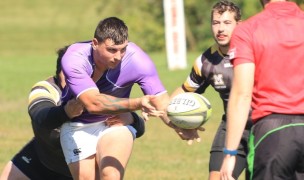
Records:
x=214, y=68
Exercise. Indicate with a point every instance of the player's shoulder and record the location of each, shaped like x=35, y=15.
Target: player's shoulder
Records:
x=81, y=55
x=49, y=83
x=133, y=50
x=137, y=58
x=199, y=60
x=212, y=55
x=133, y=46
x=212, y=50
x=45, y=89
x=80, y=46
x=252, y=22
x=79, y=49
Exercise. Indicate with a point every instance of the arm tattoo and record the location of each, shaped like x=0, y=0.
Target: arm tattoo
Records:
x=113, y=105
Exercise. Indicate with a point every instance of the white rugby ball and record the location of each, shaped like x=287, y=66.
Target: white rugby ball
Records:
x=189, y=110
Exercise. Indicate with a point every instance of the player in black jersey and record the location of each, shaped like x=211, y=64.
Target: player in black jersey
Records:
x=42, y=157
x=214, y=68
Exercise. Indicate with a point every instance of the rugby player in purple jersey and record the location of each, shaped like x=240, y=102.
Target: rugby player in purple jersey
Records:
x=42, y=156
x=100, y=74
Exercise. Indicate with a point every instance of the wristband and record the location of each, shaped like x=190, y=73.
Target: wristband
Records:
x=230, y=152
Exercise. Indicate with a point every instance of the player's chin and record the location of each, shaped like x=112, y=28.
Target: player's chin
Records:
x=223, y=43
x=113, y=65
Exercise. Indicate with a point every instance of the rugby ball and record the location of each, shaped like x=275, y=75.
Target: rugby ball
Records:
x=189, y=110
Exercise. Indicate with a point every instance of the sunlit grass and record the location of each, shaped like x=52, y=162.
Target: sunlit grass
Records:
x=31, y=31
x=159, y=154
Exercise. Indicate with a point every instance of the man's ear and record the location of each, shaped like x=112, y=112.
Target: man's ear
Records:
x=94, y=43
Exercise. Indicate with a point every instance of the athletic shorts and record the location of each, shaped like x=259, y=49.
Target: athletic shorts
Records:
x=79, y=140
x=27, y=161
x=277, y=148
x=216, y=153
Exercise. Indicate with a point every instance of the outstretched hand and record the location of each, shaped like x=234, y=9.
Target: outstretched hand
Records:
x=149, y=110
x=189, y=135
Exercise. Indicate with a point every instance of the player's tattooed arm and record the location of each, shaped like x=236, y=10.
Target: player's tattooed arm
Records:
x=107, y=104
x=99, y=103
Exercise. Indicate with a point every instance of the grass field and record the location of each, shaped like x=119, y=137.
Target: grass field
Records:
x=31, y=31
x=159, y=154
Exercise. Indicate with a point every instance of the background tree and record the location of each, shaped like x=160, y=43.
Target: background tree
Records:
x=146, y=20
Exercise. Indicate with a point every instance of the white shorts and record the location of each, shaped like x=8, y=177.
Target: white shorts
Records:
x=79, y=140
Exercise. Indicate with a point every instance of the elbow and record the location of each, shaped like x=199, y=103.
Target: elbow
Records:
x=248, y=98
x=245, y=96
x=244, y=100
x=240, y=97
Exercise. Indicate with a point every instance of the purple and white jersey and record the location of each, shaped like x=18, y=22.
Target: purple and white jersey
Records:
x=135, y=67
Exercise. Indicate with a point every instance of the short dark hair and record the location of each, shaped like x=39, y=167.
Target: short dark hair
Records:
x=111, y=28
x=225, y=5
x=60, y=53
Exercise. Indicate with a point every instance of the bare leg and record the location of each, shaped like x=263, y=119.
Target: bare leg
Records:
x=84, y=169
x=11, y=172
x=113, y=152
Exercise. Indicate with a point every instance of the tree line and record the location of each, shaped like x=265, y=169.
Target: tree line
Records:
x=145, y=19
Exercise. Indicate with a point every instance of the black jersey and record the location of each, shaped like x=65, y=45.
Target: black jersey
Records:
x=211, y=68
x=47, y=115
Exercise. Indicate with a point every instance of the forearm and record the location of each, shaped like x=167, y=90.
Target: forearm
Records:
x=177, y=91
x=47, y=115
x=161, y=103
x=106, y=104
x=238, y=110
x=239, y=103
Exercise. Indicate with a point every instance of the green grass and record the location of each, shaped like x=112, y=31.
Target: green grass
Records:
x=159, y=154
x=31, y=31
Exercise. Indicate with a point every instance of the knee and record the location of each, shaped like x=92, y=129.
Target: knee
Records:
x=110, y=168
x=111, y=173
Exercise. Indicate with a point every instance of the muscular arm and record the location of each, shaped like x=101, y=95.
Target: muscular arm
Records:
x=97, y=103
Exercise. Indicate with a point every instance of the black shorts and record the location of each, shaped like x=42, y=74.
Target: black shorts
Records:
x=216, y=153
x=277, y=147
x=28, y=162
